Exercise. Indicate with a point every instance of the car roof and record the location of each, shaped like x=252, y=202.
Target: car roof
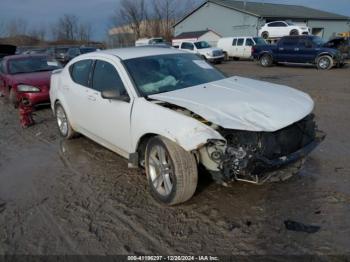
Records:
x=136, y=52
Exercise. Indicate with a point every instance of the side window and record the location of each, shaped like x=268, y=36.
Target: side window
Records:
x=305, y=43
x=240, y=41
x=282, y=24
x=249, y=42
x=188, y=46
x=290, y=42
x=272, y=25
x=80, y=72
x=234, y=43
x=106, y=77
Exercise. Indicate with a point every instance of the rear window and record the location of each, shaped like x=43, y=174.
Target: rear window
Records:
x=32, y=64
x=289, y=41
x=260, y=41
x=80, y=72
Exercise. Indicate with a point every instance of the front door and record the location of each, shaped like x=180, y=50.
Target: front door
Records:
x=109, y=120
x=307, y=51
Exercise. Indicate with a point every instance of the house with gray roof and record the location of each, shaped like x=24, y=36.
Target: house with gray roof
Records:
x=244, y=18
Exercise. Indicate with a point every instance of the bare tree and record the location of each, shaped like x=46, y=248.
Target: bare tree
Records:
x=148, y=18
x=132, y=13
x=66, y=28
x=16, y=27
x=38, y=32
x=85, y=32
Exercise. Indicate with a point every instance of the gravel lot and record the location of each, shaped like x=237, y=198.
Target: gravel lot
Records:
x=75, y=197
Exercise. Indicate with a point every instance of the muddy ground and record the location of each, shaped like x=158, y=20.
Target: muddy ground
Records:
x=75, y=197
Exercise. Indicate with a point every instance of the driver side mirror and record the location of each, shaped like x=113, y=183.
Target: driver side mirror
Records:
x=114, y=94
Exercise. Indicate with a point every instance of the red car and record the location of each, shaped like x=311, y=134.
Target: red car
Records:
x=26, y=77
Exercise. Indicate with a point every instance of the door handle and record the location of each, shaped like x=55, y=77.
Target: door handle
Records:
x=92, y=98
x=296, y=49
x=281, y=48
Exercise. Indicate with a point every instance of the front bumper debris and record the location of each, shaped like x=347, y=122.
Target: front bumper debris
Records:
x=258, y=157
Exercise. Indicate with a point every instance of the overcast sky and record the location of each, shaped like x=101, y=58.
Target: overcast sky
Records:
x=98, y=12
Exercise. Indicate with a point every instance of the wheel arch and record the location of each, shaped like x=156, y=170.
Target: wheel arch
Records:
x=324, y=54
x=266, y=53
x=57, y=100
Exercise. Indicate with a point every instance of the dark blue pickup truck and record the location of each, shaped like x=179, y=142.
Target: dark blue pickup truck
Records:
x=299, y=49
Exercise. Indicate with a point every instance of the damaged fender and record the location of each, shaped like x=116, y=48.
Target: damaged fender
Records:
x=150, y=118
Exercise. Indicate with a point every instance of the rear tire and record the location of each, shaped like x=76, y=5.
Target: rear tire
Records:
x=63, y=123
x=265, y=35
x=171, y=171
x=266, y=60
x=325, y=62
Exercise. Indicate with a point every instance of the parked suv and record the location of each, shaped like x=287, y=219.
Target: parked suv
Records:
x=203, y=49
x=239, y=47
x=299, y=49
x=282, y=28
x=170, y=111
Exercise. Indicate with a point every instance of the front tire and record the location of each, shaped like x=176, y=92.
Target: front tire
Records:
x=63, y=124
x=266, y=60
x=171, y=171
x=325, y=62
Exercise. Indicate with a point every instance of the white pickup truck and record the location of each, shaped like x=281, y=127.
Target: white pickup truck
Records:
x=202, y=48
x=239, y=47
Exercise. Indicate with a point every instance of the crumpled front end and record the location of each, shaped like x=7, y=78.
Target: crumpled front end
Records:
x=258, y=157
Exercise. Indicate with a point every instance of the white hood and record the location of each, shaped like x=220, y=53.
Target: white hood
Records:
x=243, y=104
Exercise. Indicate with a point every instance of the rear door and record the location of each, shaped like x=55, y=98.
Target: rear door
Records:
x=77, y=92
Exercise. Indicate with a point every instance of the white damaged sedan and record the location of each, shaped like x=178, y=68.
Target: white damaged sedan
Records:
x=169, y=112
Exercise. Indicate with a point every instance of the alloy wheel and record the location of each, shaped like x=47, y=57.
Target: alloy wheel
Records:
x=161, y=170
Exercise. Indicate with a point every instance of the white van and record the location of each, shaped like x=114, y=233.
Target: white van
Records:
x=239, y=47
